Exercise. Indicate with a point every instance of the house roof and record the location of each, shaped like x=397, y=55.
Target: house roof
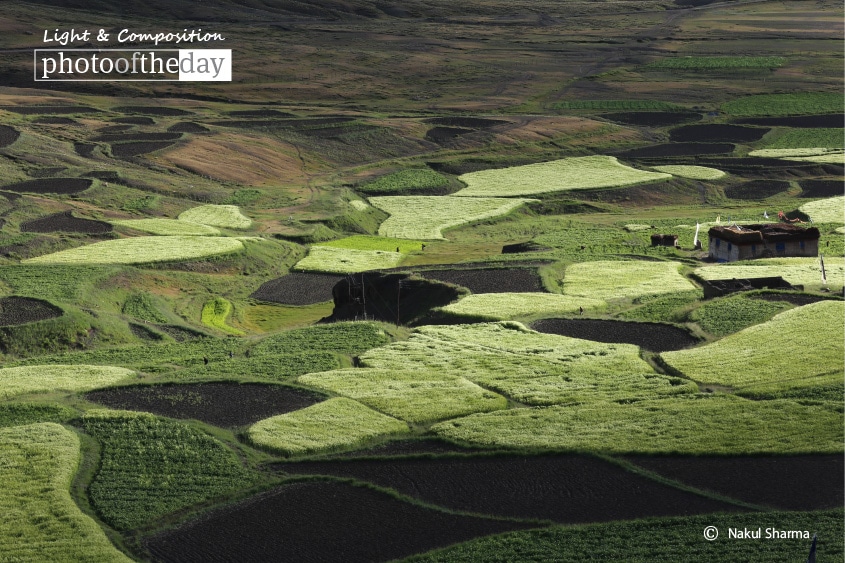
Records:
x=768, y=232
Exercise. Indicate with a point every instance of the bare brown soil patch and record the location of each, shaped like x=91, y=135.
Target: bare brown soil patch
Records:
x=717, y=133
x=135, y=120
x=84, y=149
x=319, y=522
x=515, y=280
x=51, y=186
x=55, y=121
x=49, y=110
x=153, y=110
x=803, y=482
x=187, y=127
x=124, y=150
x=822, y=188
x=65, y=222
x=8, y=135
x=757, y=189
x=222, y=404
x=655, y=337
x=21, y=310
x=298, y=288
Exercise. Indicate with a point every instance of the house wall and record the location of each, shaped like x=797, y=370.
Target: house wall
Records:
x=725, y=251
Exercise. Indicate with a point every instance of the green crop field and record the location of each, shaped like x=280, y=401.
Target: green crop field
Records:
x=214, y=314
x=716, y=63
x=341, y=338
x=726, y=316
x=794, y=152
x=504, y=306
x=226, y=216
x=797, y=271
x=566, y=174
x=38, y=518
x=413, y=396
x=785, y=104
x=335, y=424
x=142, y=250
x=367, y=242
x=616, y=105
x=623, y=280
x=268, y=367
x=150, y=467
x=19, y=414
x=719, y=425
x=405, y=181
x=347, y=260
x=796, y=348
x=67, y=379
x=809, y=138
x=531, y=367
x=668, y=307
x=421, y=217
x=828, y=158
x=693, y=172
x=57, y=282
x=166, y=227
x=142, y=307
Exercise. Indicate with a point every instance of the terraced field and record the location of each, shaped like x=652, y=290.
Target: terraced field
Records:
x=141, y=250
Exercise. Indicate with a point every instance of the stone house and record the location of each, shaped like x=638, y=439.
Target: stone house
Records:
x=743, y=242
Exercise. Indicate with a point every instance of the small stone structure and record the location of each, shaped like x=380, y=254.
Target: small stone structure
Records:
x=743, y=242
x=664, y=240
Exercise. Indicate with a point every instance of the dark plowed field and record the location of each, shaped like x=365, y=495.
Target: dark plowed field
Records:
x=809, y=121
x=770, y=167
x=285, y=123
x=471, y=122
x=51, y=186
x=187, y=127
x=757, y=189
x=822, y=188
x=115, y=128
x=138, y=137
x=319, y=522
x=20, y=310
x=653, y=118
x=8, y=135
x=717, y=133
x=518, y=280
x=678, y=149
x=444, y=134
x=808, y=482
x=153, y=110
x=400, y=448
x=563, y=488
x=55, y=121
x=799, y=299
x=84, y=149
x=651, y=336
x=123, y=150
x=135, y=120
x=221, y=404
x=260, y=113
x=65, y=222
x=49, y=110
x=298, y=289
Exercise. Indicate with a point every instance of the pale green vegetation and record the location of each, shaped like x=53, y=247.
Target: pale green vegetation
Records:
x=794, y=152
x=718, y=425
x=801, y=347
x=815, y=137
x=615, y=105
x=166, y=227
x=367, y=242
x=785, y=104
x=636, y=227
x=335, y=424
x=62, y=378
x=150, y=467
x=226, y=216
x=607, y=279
x=141, y=250
x=341, y=338
x=346, y=260
x=531, y=367
x=143, y=307
x=830, y=158
x=422, y=217
x=797, y=271
x=693, y=172
x=504, y=306
x=38, y=519
x=214, y=314
x=405, y=181
x=414, y=396
x=716, y=63
x=358, y=205
x=575, y=173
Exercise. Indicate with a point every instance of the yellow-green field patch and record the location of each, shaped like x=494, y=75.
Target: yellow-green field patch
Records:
x=49, y=378
x=692, y=172
x=606, y=279
x=346, y=260
x=796, y=271
x=167, y=227
x=226, y=216
x=142, y=250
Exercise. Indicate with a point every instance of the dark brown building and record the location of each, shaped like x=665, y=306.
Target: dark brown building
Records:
x=742, y=242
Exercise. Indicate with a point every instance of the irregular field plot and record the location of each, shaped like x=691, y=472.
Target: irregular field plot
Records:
x=413, y=396
x=65, y=222
x=264, y=317
x=731, y=314
x=531, y=367
x=292, y=522
x=785, y=104
x=651, y=336
x=341, y=338
x=265, y=367
x=134, y=148
x=563, y=488
x=150, y=467
x=679, y=149
x=51, y=186
x=831, y=210
x=809, y=482
x=222, y=404
x=503, y=306
x=366, y=242
x=347, y=260
x=826, y=137
x=421, y=217
x=717, y=133
x=797, y=271
x=504, y=280
x=38, y=519
x=693, y=172
x=226, y=216
x=335, y=424
x=605, y=279
x=722, y=424
x=49, y=378
x=214, y=314
x=756, y=189
x=21, y=310
x=298, y=288
x=797, y=348
x=19, y=414
x=821, y=188
x=716, y=63
x=8, y=135
x=166, y=227
x=804, y=151
x=405, y=181
x=140, y=250
x=576, y=173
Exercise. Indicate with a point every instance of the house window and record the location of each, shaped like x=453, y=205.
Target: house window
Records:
x=780, y=247
x=753, y=249
x=801, y=244
x=718, y=243
x=730, y=246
